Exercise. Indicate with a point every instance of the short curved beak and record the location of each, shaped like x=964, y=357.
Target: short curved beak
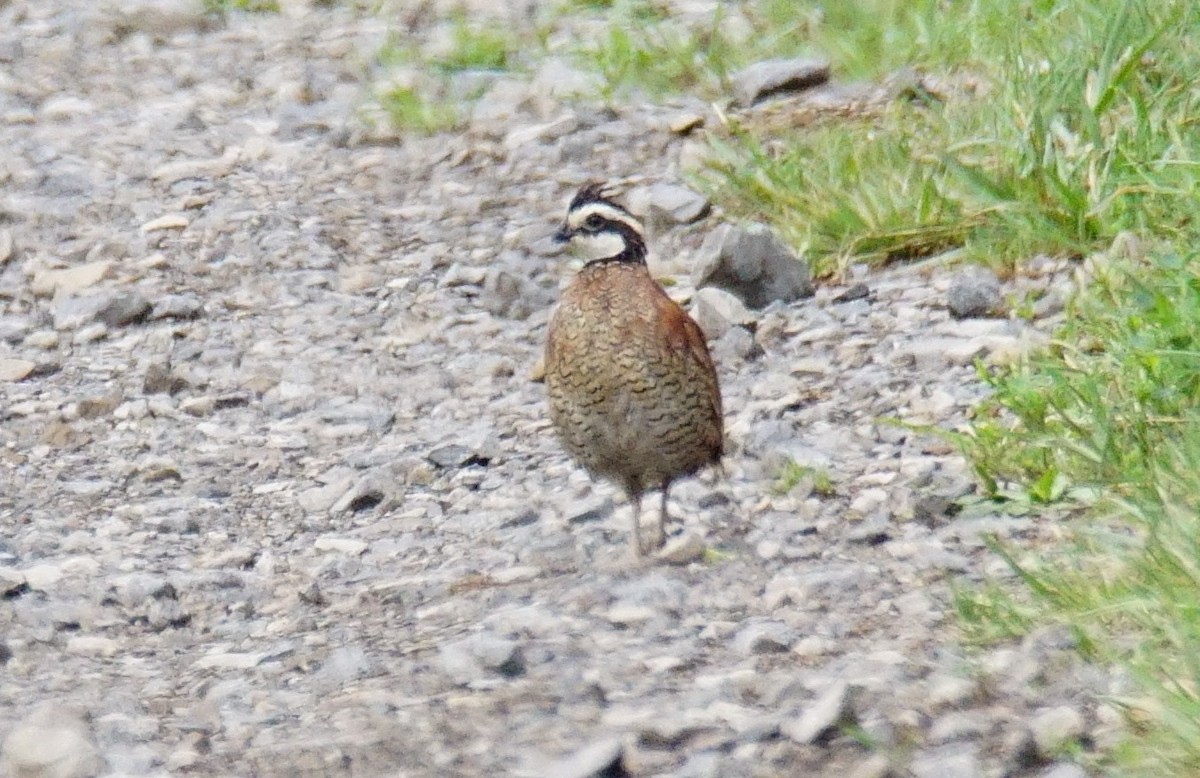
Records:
x=562, y=235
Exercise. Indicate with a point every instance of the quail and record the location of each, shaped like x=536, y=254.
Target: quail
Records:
x=633, y=392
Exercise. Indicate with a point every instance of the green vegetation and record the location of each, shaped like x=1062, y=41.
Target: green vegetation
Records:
x=409, y=109
x=430, y=101
x=252, y=6
x=794, y=474
x=1074, y=122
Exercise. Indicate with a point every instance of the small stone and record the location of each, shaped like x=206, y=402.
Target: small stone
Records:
x=875, y=766
x=684, y=549
x=1055, y=728
x=99, y=407
x=15, y=369
x=124, y=309
x=198, y=406
x=64, y=107
x=683, y=123
x=596, y=509
x=230, y=660
x=716, y=310
x=69, y=280
x=770, y=77
x=182, y=759
x=974, y=292
x=170, y=221
x=764, y=637
x=43, y=577
x=950, y=690
x=480, y=656
x=541, y=133
x=346, y=664
x=47, y=340
x=160, y=380
x=835, y=707
x=859, y=291
x=91, y=333
x=12, y=583
x=347, y=546
x=676, y=204
x=753, y=264
x=518, y=574
x=367, y=492
x=176, y=306
x=178, y=170
x=604, y=759
x=627, y=615
x=52, y=742
x=92, y=645
x=454, y=456
x=952, y=761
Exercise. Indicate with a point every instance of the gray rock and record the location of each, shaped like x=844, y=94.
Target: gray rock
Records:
x=836, y=706
x=346, y=664
x=683, y=549
x=176, y=306
x=1054, y=728
x=512, y=295
x=753, y=264
x=672, y=203
x=598, y=508
x=13, y=329
x=480, y=657
x=876, y=766
x=974, y=292
x=717, y=310
x=951, y=761
x=53, y=741
x=454, y=456
x=71, y=313
x=123, y=309
x=372, y=490
x=603, y=759
x=770, y=77
x=764, y=637
x=958, y=726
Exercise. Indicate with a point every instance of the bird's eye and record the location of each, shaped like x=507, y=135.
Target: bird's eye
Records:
x=594, y=222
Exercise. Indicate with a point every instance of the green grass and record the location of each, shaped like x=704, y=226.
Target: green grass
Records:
x=410, y=109
x=794, y=474
x=431, y=103
x=251, y=6
x=1083, y=127
x=1107, y=421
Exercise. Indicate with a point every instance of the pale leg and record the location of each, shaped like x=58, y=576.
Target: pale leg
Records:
x=635, y=537
x=661, y=537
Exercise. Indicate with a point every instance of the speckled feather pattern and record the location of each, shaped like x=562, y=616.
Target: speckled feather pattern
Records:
x=632, y=388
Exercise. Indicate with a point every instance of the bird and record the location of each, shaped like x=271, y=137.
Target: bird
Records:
x=633, y=392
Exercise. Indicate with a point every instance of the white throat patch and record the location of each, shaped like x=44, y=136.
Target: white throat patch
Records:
x=599, y=245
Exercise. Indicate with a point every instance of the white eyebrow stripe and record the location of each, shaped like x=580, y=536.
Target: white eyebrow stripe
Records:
x=577, y=217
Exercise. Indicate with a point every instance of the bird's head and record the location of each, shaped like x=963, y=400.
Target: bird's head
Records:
x=599, y=229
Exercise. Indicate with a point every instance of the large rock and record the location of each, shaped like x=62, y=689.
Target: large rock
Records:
x=753, y=264
x=763, y=79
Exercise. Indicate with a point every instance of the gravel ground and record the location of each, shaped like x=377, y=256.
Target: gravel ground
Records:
x=280, y=497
